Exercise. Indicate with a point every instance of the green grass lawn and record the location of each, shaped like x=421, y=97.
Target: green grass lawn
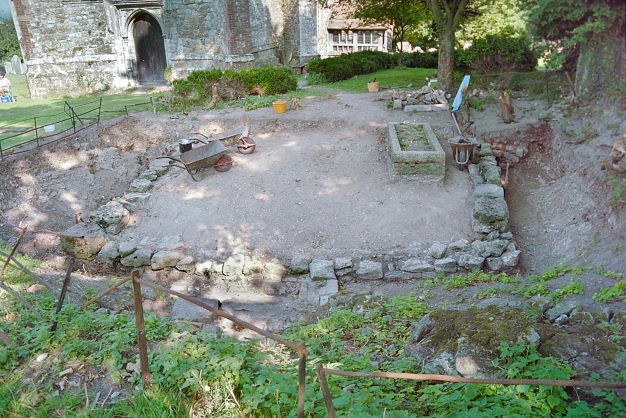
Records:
x=19, y=116
x=399, y=77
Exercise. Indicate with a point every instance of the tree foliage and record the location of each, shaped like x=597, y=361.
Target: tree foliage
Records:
x=566, y=24
x=402, y=14
x=505, y=17
x=9, y=45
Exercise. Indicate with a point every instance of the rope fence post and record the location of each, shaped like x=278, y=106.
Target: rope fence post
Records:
x=142, y=342
x=302, y=353
x=99, y=110
x=328, y=400
x=36, y=131
x=66, y=284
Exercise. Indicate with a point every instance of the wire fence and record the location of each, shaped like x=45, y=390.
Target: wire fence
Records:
x=50, y=128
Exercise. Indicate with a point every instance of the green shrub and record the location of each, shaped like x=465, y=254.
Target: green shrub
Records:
x=498, y=52
x=349, y=65
x=419, y=59
x=266, y=81
x=263, y=81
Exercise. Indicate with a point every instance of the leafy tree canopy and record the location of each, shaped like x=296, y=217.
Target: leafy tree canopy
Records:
x=566, y=24
x=402, y=14
x=9, y=44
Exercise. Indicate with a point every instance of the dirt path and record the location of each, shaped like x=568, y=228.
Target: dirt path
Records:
x=318, y=184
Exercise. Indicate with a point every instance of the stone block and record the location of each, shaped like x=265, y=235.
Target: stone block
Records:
x=318, y=292
x=163, y=259
x=186, y=264
x=83, y=240
x=140, y=185
x=112, y=217
x=369, y=270
x=300, y=264
x=139, y=258
x=322, y=270
x=109, y=254
x=126, y=248
x=471, y=262
x=414, y=265
x=438, y=250
x=445, y=265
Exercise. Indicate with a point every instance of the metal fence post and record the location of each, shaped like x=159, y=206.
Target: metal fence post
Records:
x=301, y=379
x=328, y=400
x=141, y=331
x=36, y=132
x=99, y=111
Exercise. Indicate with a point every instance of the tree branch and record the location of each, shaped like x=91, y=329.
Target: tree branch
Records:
x=459, y=12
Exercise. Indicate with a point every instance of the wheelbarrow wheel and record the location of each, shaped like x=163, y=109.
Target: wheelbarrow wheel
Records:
x=246, y=146
x=224, y=163
x=462, y=159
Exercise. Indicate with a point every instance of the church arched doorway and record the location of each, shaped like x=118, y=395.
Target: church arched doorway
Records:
x=149, y=48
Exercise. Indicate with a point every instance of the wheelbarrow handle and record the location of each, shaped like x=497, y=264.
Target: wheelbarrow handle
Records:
x=202, y=135
x=181, y=165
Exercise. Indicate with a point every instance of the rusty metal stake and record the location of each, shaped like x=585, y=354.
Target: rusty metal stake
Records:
x=27, y=271
x=328, y=400
x=66, y=284
x=141, y=330
x=301, y=380
x=11, y=291
x=12, y=253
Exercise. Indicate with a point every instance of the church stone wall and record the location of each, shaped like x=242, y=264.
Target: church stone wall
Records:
x=78, y=46
x=66, y=46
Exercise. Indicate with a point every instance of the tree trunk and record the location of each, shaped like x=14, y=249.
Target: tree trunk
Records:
x=445, y=64
x=508, y=113
x=600, y=65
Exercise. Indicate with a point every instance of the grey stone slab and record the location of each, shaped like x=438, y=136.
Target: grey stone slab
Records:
x=139, y=258
x=83, y=240
x=109, y=254
x=322, y=270
x=126, y=248
x=370, y=270
x=187, y=311
x=445, y=265
x=163, y=259
x=300, y=264
x=438, y=250
x=414, y=265
x=140, y=185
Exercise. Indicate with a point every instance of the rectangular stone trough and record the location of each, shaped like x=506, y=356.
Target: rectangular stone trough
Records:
x=428, y=165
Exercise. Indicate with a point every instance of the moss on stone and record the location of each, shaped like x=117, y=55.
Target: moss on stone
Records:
x=485, y=328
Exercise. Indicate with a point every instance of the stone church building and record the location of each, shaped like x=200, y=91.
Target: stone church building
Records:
x=82, y=46
x=75, y=46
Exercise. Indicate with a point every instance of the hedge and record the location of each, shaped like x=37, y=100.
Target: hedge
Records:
x=346, y=66
x=498, y=53
x=262, y=81
x=492, y=53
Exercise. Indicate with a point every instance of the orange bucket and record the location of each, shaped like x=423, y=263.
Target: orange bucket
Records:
x=280, y=106
x=373, y=87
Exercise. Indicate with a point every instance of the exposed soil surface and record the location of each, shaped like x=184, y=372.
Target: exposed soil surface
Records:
x=317, y=184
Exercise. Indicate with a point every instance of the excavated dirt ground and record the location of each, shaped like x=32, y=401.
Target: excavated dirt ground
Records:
x=318, y=183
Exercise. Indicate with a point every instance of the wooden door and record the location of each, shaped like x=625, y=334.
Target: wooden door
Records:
x=149, y=49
